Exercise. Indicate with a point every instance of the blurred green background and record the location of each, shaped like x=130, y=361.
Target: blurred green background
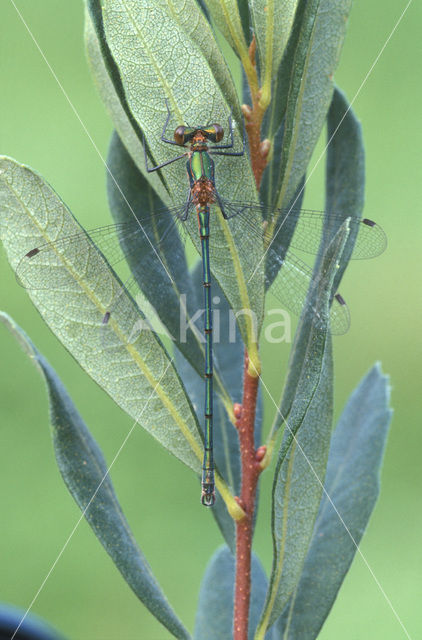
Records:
x=85, y=596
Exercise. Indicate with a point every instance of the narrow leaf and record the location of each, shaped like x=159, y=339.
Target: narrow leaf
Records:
x=351, y=489
x=109, y=85
x=72, y=285
x=306, y=78
x=86, y=475
x=345, y=173
x=214, y=618
x=343, y=196
x=31, y=626
x=303, y=455
x=197, y=28
x=272, y=20
x=243, y=7
x=227, y=17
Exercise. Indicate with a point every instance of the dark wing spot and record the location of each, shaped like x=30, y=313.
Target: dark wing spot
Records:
x=370, y=223
x=340, y=299
x=32, y=253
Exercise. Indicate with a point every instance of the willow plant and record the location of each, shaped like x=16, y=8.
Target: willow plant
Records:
x=325, y=482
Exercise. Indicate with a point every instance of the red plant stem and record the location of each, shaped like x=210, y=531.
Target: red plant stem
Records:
x=250, y=458
x=251, y=468
x=259, y=149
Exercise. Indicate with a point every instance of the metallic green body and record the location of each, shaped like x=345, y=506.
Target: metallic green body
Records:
x=200, y=166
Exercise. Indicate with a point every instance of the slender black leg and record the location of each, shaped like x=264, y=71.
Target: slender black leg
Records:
x=231, y=153
x=227, y=146
x=182, y=217
x=159, y=166
x=220, y=204
x=165, y=127
x=185, y=215
x=226, y=216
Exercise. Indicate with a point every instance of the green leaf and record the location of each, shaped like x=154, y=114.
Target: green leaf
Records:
x=193, y=24
x=306, y=78
x=243, y=8
x=352, y=486
x=272, y=20
x=345, y=173
x=72, y=285
x=107, y=79
x=303, y=455
x=86, y=475
x=214, y=617
x=230, y=21
x=162, y=63
x=344, y=196
x=31, y=626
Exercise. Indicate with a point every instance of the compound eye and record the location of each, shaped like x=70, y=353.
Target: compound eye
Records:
x=219, y=132
x=179, y=135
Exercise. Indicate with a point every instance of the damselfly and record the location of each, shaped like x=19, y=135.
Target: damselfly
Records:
x=288, y=276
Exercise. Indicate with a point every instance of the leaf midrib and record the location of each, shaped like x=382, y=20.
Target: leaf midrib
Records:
x=133, y=352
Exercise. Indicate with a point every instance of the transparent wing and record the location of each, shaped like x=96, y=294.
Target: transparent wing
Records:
x=156, y=233
x=294, y=280
x=305, y=226
x=291, y=287
x=34, y=269
x=153, y=246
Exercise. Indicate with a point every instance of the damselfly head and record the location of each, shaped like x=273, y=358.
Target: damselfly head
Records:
x=184, y=135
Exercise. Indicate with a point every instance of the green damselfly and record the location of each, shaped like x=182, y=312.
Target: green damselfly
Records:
x=288, y=277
